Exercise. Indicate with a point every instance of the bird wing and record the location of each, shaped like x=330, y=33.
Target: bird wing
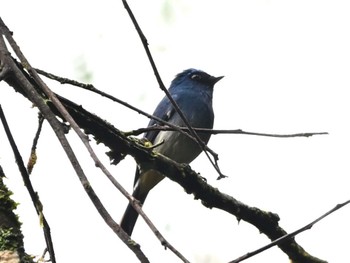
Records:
x=165, y=111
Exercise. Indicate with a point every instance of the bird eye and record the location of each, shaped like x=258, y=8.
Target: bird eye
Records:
x=196, y=77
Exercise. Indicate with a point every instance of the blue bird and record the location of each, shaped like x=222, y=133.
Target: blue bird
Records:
x=193, y=92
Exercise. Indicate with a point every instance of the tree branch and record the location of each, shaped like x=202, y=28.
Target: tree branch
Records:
x=291, y=235
x=33, y=154
x=215, y=132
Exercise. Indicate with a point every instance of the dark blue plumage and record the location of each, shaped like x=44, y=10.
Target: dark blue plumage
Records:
x=193, y=92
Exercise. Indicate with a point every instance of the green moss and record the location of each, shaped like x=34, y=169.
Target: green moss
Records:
x=11, y=238
x=7, y=239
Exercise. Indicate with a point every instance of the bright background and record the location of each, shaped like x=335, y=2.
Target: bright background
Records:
x=287, y=67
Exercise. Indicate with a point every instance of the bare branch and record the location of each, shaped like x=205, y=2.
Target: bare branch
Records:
x=33, y=154
x=291, y=235
x=214, y=132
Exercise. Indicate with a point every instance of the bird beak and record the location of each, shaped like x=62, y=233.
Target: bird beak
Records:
x=216, y=79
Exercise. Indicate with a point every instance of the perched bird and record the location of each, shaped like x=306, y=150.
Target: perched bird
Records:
x=192, y=90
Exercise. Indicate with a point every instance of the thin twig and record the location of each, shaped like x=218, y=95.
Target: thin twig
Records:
x=173, y=102
x=290, y=235
x=215, y=131
x=33, y=154
x=32, y=193
x=92, y=88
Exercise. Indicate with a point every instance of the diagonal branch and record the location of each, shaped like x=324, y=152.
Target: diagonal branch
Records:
x=290, y=235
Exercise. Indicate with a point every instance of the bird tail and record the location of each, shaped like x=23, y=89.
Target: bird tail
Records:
x=130, y=215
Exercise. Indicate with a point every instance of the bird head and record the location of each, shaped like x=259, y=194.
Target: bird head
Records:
x=194, y=77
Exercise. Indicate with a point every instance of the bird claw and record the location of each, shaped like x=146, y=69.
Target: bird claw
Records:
x=147, y=144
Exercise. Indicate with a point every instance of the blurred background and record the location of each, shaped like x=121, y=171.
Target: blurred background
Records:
x=286, y=67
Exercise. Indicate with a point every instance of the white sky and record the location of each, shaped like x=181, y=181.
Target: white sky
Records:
x=286, y=67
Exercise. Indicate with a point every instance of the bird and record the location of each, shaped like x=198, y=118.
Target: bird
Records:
x=192, y=90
